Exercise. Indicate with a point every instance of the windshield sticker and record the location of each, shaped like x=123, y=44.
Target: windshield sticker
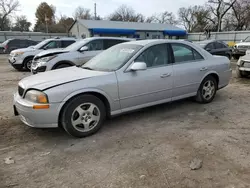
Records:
x=130, y=51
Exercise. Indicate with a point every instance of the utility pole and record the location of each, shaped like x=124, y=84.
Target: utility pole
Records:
x=95, y=10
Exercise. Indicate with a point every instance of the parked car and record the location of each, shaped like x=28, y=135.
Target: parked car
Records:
x=75, y=54
x=243, y=66
x=22, y=58
x=13, y=44
x=216, y=47
x=125, y=77
x=240, y=48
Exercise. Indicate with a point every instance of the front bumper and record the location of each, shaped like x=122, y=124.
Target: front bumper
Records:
x=16, y=62
x=36, y=69
x=39, y=118
x=240, y=52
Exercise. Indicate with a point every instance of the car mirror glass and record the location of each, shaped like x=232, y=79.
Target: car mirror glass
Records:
x=84, y=48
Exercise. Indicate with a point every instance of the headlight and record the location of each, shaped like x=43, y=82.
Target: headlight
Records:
x=39, y=64
x=46, y=59
x=36, y=96
x=18, y=53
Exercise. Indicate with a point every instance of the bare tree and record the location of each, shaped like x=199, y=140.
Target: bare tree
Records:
x=164, y=17
x=241, y=14
x=82, y=13
x=193, y=18
x=125, y=13
x=219, y=8
x=7, y=7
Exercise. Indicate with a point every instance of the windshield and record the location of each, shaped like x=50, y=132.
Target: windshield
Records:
x=247, y=39
x=201, y=44
x=113, y=58
x=77, y=45
x=41, y=44
x=6, y=42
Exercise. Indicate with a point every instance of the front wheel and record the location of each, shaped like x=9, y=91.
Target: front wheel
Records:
x=27, y=64
x=207, y=90
x=83, y=116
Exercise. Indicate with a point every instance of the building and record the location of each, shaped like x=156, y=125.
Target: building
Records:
x=90, y=28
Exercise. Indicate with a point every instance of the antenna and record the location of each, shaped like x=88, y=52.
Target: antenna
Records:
x=95, y=10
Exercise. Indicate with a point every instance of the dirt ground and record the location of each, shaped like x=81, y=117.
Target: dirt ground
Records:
x=149, y=148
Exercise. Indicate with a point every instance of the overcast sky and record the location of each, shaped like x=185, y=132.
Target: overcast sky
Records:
x=105, y=7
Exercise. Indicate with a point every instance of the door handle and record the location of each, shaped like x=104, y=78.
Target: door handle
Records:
x=203, y=69
x=165, y=75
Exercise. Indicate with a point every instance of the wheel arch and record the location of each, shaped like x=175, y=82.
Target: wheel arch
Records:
x=63, y=62
x=214, y=74
x=26, y=58
x=97, y=93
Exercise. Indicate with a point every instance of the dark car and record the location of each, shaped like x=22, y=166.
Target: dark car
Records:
x=13, y=44
x=216, y=47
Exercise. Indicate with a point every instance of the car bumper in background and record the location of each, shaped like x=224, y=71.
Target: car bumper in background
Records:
x=17, y=63
x=39, y=118
x=240, y=52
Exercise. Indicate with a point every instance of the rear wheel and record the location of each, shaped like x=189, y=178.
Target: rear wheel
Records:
x=83, y=116
x=207, y=90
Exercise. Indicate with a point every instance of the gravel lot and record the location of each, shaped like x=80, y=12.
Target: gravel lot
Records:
x=149, y=148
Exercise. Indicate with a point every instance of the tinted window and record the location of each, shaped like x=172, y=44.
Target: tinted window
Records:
x=184, y=53
x=66, y=43
x=210, y=46
x=31, y=42
x=95, y=45
x=154, y=56
x=23, y=43
x=109, y=43
x=52, y=44
x=14, y=42
x=219, y=45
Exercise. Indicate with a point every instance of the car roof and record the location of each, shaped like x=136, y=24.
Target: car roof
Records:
x=114, y=38
x=63, y=38
x=157, y=41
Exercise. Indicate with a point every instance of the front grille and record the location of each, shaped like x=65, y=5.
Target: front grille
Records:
x=243, y=47
x=20, y=91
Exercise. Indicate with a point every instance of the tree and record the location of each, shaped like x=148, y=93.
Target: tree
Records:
x=7, y=8
x=241, y=14
x=126, y=14
x=164, y=17
x=82, y=13
x=219, y=8
x=21, y=24
x=65, y=23
x=193, y=18
x=45, y=14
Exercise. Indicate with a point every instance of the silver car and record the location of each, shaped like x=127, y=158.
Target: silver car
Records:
x=243, y=66
x=125, y=77
x=75, y=54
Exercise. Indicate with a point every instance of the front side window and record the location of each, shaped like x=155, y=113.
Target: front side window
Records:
x=154, y=56
x=66, y=43
x=219, y=45
x=184, y=53
x=210, y=46
x=95, y=45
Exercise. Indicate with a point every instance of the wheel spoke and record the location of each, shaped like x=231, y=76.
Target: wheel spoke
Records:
x=95, y=118
x=77, y=121
x=91, y=108
x=86, y=125
x=80, y=110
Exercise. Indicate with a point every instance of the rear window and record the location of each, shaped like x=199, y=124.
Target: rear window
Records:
x=7, y=41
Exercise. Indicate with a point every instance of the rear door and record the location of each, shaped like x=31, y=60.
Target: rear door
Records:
x=188, y=69
x=94, y=48
x=221, y=49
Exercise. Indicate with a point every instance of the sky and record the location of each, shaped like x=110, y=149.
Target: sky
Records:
x=105, y=7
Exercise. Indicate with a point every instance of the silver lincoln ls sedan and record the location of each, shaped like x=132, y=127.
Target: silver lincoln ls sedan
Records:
x=124, y=78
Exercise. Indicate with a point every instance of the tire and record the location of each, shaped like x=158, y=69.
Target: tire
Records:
x=229, y=56
x=202, y=92
x=27, y=63
x=240, y=74
x=236, y=57
x=63, y=65
x=83, y=116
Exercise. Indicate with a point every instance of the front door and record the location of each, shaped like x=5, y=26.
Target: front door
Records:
x=147, y=87
x=94, y=47
x=188, y=70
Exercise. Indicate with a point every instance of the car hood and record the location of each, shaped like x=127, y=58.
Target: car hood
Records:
x=53, y=78
x=23, y=50
x=243, y=44
x=50, y=52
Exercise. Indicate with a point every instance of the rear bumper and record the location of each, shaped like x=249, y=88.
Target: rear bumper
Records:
x=224, y=78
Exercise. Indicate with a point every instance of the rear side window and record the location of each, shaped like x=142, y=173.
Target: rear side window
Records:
x=66, y=43
x=183, y=53
x=52, y=44
x=14, y=42
x=219, y=45
x=111, y=42
x=95, y=45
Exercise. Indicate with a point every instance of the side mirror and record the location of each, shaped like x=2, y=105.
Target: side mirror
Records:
x=138, y=66
x=208, y=49
x=241, y=40
x=84, y=48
